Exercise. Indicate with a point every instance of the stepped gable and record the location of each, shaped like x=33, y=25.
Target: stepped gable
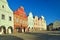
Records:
x=20, y=12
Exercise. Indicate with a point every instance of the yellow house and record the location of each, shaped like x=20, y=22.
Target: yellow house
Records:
x=42, y=23
x=39, y=23
x=36, y=26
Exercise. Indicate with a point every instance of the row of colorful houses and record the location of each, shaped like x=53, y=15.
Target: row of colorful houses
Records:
x=22, y=23
x=36, y=23
x=17, y=21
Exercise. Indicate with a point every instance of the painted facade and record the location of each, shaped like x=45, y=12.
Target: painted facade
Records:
x=20, y=20
x=39, y=23
x=6, y=17
x=42, y=23
x=30, y=21
x=36, y=26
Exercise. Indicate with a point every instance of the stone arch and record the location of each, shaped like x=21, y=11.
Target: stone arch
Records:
x=10, y=29
x=3, y=29
x=24, y=29
x=18, y=29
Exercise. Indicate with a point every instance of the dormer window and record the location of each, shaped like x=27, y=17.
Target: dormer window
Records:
x=2, y=6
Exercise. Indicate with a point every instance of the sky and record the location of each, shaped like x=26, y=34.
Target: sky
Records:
x=50, y=9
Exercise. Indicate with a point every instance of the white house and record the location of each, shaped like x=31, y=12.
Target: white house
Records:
x=6, y=18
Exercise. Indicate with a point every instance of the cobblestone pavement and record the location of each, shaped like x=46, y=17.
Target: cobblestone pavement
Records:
x=33, y=36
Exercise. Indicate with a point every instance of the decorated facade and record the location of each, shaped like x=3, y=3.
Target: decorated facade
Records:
x=6, y=18
x=36, y=22
x=20, y=20
x=30, y=21
x=42, y=23
x=39, y=23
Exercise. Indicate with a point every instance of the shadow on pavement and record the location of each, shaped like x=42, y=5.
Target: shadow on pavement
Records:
x=44, y=36
x=9, y=37
x=39, y=36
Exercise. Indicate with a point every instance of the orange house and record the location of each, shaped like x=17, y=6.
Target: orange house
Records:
x=20, y=20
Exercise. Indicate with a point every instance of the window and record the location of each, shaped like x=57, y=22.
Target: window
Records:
x=10, y=18
x=2, y=6
x=17, y=20
x=3, y=16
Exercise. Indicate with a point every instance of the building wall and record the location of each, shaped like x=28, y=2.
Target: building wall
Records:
x=42, y=23
x=36, y=22
x=50, y=27
x=16, y=20
x=56, y=24
x=30, y=20
x=20, y=18
x=39, y=23
x=4, y=9
x=7, y=22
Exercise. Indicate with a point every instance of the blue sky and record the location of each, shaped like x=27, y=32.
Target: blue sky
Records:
x=50, y=9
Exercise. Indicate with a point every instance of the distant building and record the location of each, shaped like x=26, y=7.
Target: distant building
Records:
x=56, y=25
x=6, y=18
x=20, y=20
x=30, y=21
x=50, y=27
